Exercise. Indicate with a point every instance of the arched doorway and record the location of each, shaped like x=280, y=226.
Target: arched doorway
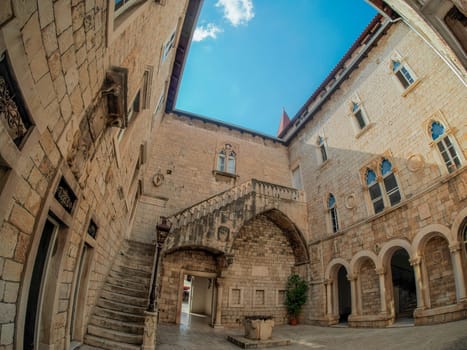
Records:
x=344, y=296
x=403, y=283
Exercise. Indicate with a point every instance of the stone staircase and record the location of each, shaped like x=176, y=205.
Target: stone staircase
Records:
x=214, y=221
x=117, y=321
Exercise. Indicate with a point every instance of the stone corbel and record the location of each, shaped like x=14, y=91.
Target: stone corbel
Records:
x=115, y=89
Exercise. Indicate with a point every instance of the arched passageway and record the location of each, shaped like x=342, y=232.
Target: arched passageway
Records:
x=344, y=296
x=403, y=282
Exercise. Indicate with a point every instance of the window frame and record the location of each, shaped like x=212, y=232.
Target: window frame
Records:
x=322, y=149
x=168, y=45
x=332, y=211
x=127, y=4
x=442, y=139
x=380, y=185
x=404, y=74
x=224, y=158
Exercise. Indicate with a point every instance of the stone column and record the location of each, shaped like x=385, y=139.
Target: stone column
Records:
x=328, y=286
x=457, y=269
x=353, y=293
x=220, y=290
x=150, y=329
x=415, y=263
x=382, y=289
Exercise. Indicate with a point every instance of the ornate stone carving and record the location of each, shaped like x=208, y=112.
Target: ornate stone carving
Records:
x=350, y=201
x=415, y=162
x=80, y=149
x=11, y=105
x=116, y=89
x=65, y=196
x=158, y=179
x=223, y=233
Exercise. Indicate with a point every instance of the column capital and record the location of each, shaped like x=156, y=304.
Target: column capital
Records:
x=416, y=260
x=455, y=247
x=380, y=271
x=352, y=277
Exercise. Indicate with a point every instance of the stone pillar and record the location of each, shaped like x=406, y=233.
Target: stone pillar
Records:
x=382, y=289
x=150, y=330
x=353, y=293
x=328, y=286
x=220, y=290
x=457, y=269
x=415, y=263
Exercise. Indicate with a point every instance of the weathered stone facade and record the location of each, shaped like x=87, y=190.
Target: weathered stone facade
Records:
x=91, y=155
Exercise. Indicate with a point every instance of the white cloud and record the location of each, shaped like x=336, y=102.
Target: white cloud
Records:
x=237, y=11
x=208, y=31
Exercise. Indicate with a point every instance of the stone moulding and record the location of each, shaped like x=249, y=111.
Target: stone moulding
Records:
x=258, y=327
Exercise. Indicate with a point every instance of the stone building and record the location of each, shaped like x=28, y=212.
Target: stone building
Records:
x=363, y=192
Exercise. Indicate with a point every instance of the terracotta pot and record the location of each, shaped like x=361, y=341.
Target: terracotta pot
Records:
x=293, y=321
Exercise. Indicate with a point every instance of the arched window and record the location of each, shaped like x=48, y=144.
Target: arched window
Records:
x=445, y=146
x=360, y=117
x=374, y=190
x=403, y=73
x=464, y=237
x=390, y=183
x=322, y=149
x=333, y=213
x=226, y=160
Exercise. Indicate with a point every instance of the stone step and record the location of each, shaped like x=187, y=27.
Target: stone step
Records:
x=118, y=281
x=139, y=250
x=125, y=327
x=118, y=315
x=116, y=336
x=136, y=265
x=141, y=281
x=108, y=344
x=130, y=271
x=124, y=299
x=133, y=292
x=124, y=258
x=115, y=305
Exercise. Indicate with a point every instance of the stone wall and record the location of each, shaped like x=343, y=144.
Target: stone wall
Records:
x=58, y=53
x=440, y=274
x=184, y=153
x=369, y=284
x=256, y=280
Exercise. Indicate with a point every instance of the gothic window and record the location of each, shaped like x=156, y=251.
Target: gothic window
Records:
x=226, y=159
x=403, y=73
x=322, y=149
x=390, y=183
x=359, y=115
x=333, y=213
x=12, y=109
x=168, y=45
x=123, y=5
x=374, y=189
x=445, y=146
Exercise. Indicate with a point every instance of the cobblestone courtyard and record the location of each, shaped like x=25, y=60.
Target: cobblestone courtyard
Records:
x=197, y=336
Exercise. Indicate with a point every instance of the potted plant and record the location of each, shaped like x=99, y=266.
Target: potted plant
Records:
x=295, y=296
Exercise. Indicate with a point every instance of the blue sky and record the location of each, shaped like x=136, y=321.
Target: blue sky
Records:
x=250, y=58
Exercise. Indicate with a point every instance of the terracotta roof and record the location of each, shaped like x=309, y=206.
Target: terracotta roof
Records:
x=285, y=120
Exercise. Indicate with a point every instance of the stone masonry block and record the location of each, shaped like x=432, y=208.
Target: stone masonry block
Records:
x=22, y=219
x=7, y=312
x=12, y=271
x=8, y=238
x=46, y=12
x=8, y=331
x=62, y=12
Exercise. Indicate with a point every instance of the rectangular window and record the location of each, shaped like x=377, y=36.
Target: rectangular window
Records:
x=334, y=221
x=123, y=5
x=221, y=162
x=360, y=119
x=449, y=154
x=231, y=165
x=324, y=155
x=376, y=197
x=392, y=189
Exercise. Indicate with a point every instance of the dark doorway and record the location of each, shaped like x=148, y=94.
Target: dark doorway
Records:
x=343, y=286
x=36, y=289
x=403, y=281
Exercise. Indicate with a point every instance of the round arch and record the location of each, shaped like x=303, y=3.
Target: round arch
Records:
x=390, y=247
x=428, y=232
x=333, y=265
x=360, y=257
x=457, y=224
